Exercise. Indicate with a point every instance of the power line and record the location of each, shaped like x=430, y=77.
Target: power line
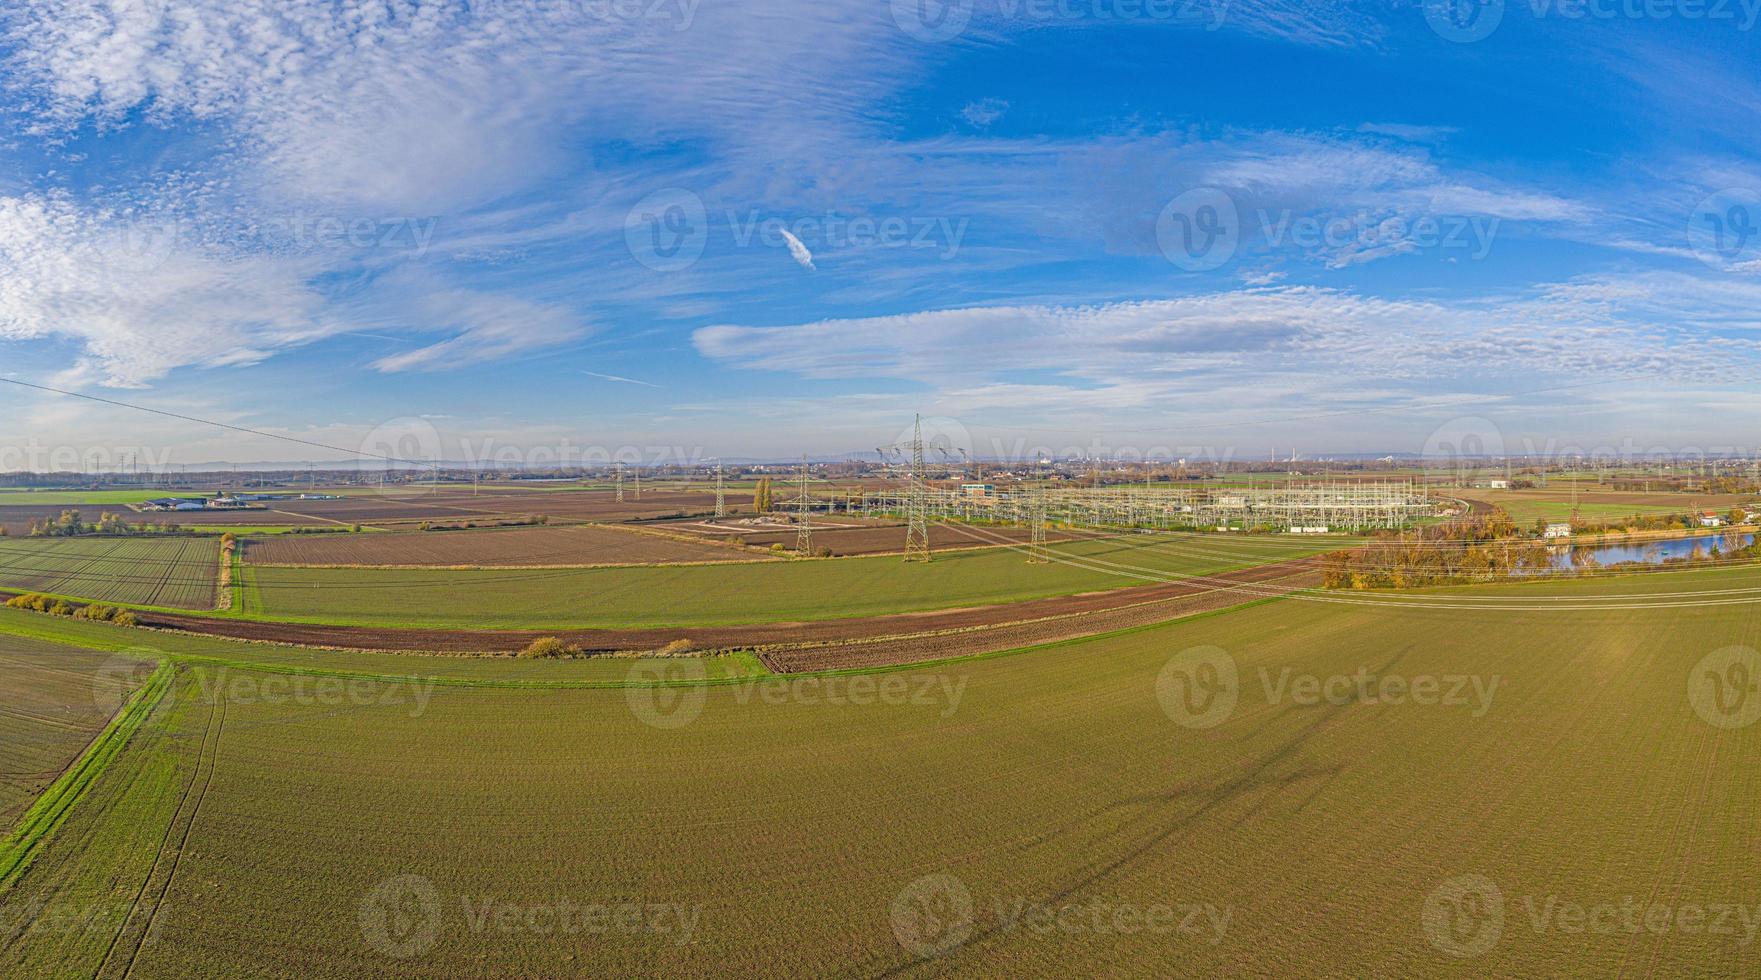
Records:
x=223, y=425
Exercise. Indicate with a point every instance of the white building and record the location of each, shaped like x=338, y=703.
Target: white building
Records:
x=1557, y=529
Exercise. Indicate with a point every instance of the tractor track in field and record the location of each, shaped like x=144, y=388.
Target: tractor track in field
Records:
x=794, y=642
x=206, y=761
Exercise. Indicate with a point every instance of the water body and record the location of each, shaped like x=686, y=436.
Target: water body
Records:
x=1650, y=552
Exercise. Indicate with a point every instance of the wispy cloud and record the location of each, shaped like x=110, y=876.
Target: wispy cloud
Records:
x=619, y=378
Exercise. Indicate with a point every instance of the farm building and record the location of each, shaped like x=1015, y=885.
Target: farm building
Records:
x=1558, y=529
x=173, y=503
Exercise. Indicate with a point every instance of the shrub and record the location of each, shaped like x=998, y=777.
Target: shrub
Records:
x=97, y=611
x=124, y=617
x=60, y=608
x=778, y=548
x=677, y=648
x=547, y=647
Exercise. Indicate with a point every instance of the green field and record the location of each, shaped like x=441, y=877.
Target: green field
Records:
x=1066, y=811
x=54, y=703
x=178, y=572
x=738, y=593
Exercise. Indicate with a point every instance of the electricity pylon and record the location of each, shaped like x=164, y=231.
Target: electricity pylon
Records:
x=916, y=501
x=637, y=473
x=721, y=500
x=803, y=530
x=1036, y=545
x=620, y=483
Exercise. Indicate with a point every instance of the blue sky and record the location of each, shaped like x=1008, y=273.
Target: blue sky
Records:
x=752, y=230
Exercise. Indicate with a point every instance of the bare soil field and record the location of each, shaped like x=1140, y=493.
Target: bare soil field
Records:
x=449, y=503
x=554, y=546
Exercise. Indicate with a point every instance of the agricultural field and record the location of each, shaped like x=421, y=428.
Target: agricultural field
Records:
x=1556, y=503
x=846, y=536
x=1202, y=792
x=53, y=701
x=738, y=593
x=180, y=572
x=563, y=545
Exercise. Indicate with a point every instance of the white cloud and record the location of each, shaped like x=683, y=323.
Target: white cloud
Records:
x=139, y=302
x=797, y=251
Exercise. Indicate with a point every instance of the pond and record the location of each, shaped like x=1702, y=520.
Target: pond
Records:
x=1654, y=552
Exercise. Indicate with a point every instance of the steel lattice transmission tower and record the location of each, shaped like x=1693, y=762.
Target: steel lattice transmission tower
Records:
x=916, y=500
x=636, y=473
x=1036, y=545
x=721, y=500
x=803, y=530
x=620, y=483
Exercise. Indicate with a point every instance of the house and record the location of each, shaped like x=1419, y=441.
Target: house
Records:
x=1711, y=518
x=1493, y=485
x=1558, y=529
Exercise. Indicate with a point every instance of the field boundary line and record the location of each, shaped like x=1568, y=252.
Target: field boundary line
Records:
x=54, y=804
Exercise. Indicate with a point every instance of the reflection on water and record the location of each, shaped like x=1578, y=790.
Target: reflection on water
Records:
x=1649, y=552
